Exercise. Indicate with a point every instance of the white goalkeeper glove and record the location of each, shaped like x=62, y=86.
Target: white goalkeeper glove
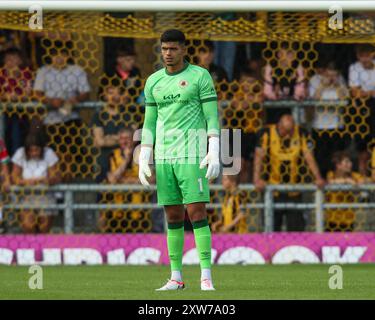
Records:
x=144, y=168
x=212, y=158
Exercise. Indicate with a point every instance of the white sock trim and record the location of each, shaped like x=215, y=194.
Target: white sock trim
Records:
x=206, y=274
x=176, y=275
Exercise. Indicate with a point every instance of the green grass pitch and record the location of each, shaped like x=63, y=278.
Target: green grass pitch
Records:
x=232, y=282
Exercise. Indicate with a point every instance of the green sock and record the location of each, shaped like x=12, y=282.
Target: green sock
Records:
x=202, y=235
x=175, y=242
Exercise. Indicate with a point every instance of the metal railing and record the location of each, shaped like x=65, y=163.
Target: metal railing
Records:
x=319, y=204
x=268, y=204
x=297, y=107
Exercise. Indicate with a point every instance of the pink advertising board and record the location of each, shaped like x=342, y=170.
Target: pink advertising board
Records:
x=119, y=249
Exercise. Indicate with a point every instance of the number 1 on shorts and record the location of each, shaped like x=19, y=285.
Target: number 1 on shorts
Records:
x=200, y=184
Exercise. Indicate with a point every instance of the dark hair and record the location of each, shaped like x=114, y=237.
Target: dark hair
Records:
x=321, y=63
x=173, y=35
x=13, y=51
x=247, y=72
x=284, y=45
x=364, y=48
x=283, y=113
x=35, y=139
x=332, y=66
x=125, y=52
x=339, y=156
x=208, y=45
x=56, y=51
x=125, y=129
x=65, y=51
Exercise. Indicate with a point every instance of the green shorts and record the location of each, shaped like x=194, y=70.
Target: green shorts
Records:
x=181, y=183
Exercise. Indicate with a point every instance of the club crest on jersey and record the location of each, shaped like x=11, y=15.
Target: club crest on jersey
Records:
x=183, y=83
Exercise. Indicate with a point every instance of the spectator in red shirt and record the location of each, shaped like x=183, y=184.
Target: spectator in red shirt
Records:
x=15, y=86
x=4, y=171
x=125, y=72
x=125, y=68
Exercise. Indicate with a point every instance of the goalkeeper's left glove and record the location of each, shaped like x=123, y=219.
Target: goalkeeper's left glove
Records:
x=212, y=158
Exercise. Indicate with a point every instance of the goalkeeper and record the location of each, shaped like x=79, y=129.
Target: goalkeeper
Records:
x=181, y=111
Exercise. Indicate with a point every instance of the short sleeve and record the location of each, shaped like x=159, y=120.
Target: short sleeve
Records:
x=149, y=98
x=4, y=157
x=307, y=141
x=357, y=177
x=83, y=83
x=260, y=138
x=313, y=85
x=112, y=163
x=242, y=197
x=51, y=157
x=207, y=90
x=354, y=76
x=39, y=80
x=19, y=157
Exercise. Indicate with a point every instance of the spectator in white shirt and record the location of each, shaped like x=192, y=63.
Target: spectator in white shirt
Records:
x=61, y=86
x=328, y=119
x=34, y=164
x=362, y=89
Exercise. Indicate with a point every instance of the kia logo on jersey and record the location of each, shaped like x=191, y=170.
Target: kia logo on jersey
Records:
x=171, y=96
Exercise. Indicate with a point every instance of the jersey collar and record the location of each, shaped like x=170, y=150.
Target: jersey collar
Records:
x=186, y=65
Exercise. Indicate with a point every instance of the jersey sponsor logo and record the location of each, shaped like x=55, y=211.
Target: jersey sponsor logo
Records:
x=183, y=83
x=170, y=102
x=171, y=96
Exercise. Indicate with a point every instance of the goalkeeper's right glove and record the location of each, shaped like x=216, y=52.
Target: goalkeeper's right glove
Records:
x=144, y=168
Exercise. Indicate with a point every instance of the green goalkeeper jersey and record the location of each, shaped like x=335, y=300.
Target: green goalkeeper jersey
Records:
x=181, y=110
